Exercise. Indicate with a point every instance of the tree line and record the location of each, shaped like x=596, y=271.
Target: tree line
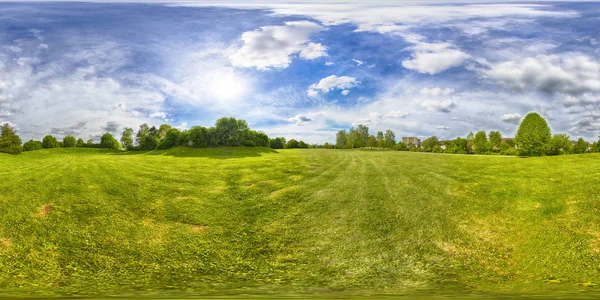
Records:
x=533, y=138
x=227, y=132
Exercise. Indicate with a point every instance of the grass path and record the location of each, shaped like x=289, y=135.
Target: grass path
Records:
x=298, y=222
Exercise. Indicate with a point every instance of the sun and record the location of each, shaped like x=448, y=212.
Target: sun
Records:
x=226, y=84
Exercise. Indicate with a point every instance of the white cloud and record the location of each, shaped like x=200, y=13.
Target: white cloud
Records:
x=345, y=92
x=159, y=115
x=570, y=73
x=274, y=46
x=358, y=62
x=332, y=82
x=433, y=58
x=444, y=106
x=397, y=114
x=329, y=63
x=513, y=118
x=436, y=92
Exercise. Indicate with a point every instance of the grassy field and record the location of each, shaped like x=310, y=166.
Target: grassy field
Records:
x=201, y=222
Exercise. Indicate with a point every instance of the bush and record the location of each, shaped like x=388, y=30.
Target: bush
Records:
x=50, y=142
x=109, y=142
x=69, y=141
x=32, y=146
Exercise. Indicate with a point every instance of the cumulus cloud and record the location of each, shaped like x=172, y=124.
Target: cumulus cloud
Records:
x=331, y=83
x=436, y=92
x=570, y=73
x=274, y=46
x=444, y=106
x=513, y=118
x=433, y=58
x=302, y=119
x=397, y=114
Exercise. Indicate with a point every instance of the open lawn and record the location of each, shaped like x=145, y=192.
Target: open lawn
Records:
x=187, y=222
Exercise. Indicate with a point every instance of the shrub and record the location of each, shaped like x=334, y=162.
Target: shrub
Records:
x=50, y=142
x=10, y=142
x=69, y=141
x=109, y=142
x=32, y=145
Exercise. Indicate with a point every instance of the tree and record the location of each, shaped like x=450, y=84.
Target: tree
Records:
x=341, y=139
x=372, y=141
x=302, y=144
x=354, y=139
x=32, y=145
x=162, y=131
x=50, y=142
x=363, y=132
x=389, y=139
x=80, y=143
x=140, y=137
x=401, y=147
x=277, y=143
x=198, y=136
x=10, y=142
x=109, y=142
x=495, y=140
x=533, y=135
x=69, y=141
x=580, y=147
x=127, y=138
x=470, y=145
x=230, y=132
x=170, y=140
x=380, y=139
x=90, y=143
x=292, y=144
x=481, y=143
x=430, y=144
x=560, y=144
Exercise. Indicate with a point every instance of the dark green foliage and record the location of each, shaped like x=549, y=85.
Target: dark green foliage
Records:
x=389, y=139
x=431, y=144
x=372, y=142
x=171, y=139
x=302, y=144
x=90, y=143
x=80, y=143
x=457, y=146
x=230, y=132
x=199, y=137
x=10, y=142
x=380, y=139
x=533, y=136
x=107, y=141
x=50, y=142
x=69, y=141
x=292, y=144
x=32, y=145
x=580, y=147
x=480, y=143
x=277, y=143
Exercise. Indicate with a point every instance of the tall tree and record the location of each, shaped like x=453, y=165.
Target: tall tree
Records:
x=341, y=139
x=10, y=142
x=390, y=139
x=372, y=141
x=495, y=140
x=580, y=147
x=481, y=142
x=380, y=139
x=533, y=136
x=363, y=132
x=140, y=137
x=69, y=141
x=50, y=142
x=162, y=131
x=470, y=139
x=127, y=138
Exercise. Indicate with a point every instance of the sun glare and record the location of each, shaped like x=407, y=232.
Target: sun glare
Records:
x=226, y=84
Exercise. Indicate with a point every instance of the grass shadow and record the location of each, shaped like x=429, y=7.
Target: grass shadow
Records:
x=216, y=153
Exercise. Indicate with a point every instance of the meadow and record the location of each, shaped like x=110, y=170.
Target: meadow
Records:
x=300, y=222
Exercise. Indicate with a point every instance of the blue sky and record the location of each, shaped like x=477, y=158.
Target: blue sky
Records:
x=303, y=69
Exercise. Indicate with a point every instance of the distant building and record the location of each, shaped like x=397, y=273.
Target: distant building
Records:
x=411, y=140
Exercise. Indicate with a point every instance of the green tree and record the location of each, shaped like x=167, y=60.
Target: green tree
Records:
x=302, y=144
x=162, y=131
x=372, y=142
x=170, y=140
x=292, y=144
x=380, y=139
x=90, y=143
x=140, y=137
x=109, y=142
x=481, y=143
x=389, y=139
x=127, y=138
x=341, y=139
x=69, y=141
x=470, y=142
x=560, y=144
x=230, y=132
x=401, y=147
x=430, y=144
x=580, y=147
x=363, y=132
x=10, y=142
x=495, y=140
x=533, y=136
x=80, y=143
x=50, y=142
x=277, y=143
x=32, y=145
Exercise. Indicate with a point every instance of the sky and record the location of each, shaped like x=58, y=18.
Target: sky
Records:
x=302, y=69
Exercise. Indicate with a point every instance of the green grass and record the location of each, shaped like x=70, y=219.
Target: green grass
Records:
x=320, y=223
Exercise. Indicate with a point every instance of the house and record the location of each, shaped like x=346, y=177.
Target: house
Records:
x=411, y=140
